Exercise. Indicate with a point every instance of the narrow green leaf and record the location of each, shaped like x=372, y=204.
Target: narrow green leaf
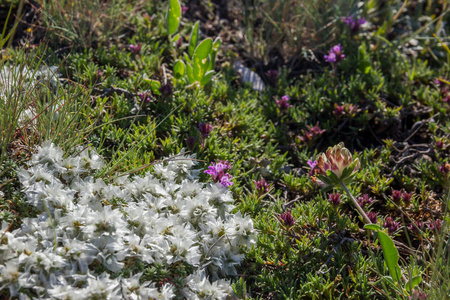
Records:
x=390, y=254
x=215, y=49
x=173, y=16
x=187, y=58
x=190, y=73
x=374, y=227
x=179, y=69
x=193, y=41
x=324, y=179
x=203, y=49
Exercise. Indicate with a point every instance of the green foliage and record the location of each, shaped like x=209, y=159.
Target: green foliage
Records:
x=399, y=116
x=390, y=252
x=173, y=16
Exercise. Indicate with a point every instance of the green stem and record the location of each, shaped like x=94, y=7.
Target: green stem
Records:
x=358, y=207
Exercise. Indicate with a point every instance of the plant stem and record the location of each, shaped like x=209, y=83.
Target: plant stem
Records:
x=358, y=207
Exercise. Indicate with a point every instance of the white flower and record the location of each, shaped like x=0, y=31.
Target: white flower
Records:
x=85, y=225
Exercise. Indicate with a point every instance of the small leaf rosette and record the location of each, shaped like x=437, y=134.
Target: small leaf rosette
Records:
x=336, y=166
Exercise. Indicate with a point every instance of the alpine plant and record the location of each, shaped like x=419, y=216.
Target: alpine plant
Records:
x=95, y=239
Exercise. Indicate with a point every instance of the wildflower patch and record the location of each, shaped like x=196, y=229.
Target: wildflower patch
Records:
x=158, y=236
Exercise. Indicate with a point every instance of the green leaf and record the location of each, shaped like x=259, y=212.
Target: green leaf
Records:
x=390, y=254
x=187, y=58
x=206, y=78
x=155, y=85
x=333, y=177
x=325, y=179
x=215, y=49
x=200, y=66
x=365, y=66
x=173, y=16
x=374, y=227
x=203, y=49
x=193, y=41
x=413, y=282
x=190, y=73
x=179, y=69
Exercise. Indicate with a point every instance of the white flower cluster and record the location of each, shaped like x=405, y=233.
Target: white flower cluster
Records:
x=85, y=225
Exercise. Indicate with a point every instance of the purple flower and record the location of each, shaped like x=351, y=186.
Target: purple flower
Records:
x=225, y=180
x=190, y=141
x=338, y=110
x=396, y=196
x=286, y=219
x=439, y=144
x=145, y=96
x=262, y=186
x=444, y=169
x=335, y=55
x=435, y=225
x=311, y=134
x=312, y=165
x=283, y=103
x=205, y=129
x=373, y=217
x=354, y=24
x=217, y=172
x=273, y=75
x=184, y=9
x=335, y=199
x=136, y=49
x=391, y=225
x=419, y=295
x=364, y=200
x=416, y=227
x=406, y=197
x=166, y=89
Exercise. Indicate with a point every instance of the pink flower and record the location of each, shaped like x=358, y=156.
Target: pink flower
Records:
x=335, y=199
x=217, y=172
x=262, y=186
x=364, y=200
x=205, y=129
x=335, y=54
x=136, y=49
x=283, y=103
x=391, y=225
x=354, y=23
x=286, y=219
x=373, y=217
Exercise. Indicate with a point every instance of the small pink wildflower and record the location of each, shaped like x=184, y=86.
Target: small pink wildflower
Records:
x=391, y=225
x=354, y=23
x=373, y=217
x=334, y=199
x=136, y=49
x=286, y=219
x=205, y=129
x=283, y=103
x=217, y=172
x=364, y=200
x=262, y=186
x=335, y=54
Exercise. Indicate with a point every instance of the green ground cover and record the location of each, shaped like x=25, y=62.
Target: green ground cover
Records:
x=123, y=79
